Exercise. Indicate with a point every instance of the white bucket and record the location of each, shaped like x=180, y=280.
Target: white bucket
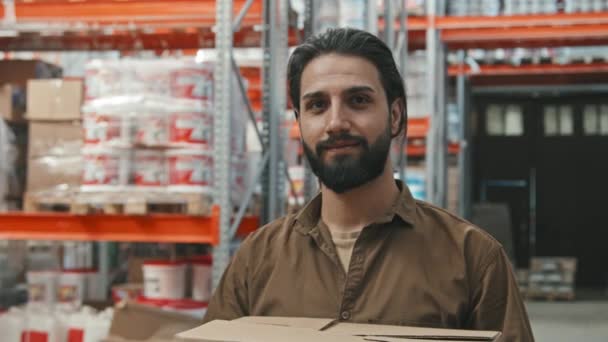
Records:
x=106, y=129
x=72, y=287
x=97, y=328
x=193, y=82
x=42, y=287
x=105, y=169
x=190, y=170
x=194, y=128
x=164, y=279
x=151, y=129
x=41, y=326
x=12, y=324
x=149, y=169
x=201, y=278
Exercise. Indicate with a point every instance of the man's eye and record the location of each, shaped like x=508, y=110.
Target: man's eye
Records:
x=359, y=100
x=315, y=105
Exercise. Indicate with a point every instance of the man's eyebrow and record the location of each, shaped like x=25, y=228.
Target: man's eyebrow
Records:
x=350, y=90
x=312, y=95
x=357, y=89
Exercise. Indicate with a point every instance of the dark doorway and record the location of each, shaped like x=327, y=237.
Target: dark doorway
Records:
x=543, y=157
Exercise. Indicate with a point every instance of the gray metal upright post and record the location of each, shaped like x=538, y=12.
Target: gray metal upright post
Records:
x=222, y=134
x=431, y=138
x=274, y=105
x=389, y=23
x=309, y=29
x=403, y=55
x=436, y=147
x=442, y=128
x=104, y=267
x=464, y=160
x=372, y=16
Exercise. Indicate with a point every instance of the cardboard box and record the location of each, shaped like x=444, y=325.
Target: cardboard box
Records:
x=54, y=99
x=18, y=72
x=54, y=139
x=318, y=329
x=54, y=173
x=54, y=157
x=136, y=322
x=12, y=102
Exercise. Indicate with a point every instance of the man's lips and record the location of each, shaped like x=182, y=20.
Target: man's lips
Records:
x=342, y=144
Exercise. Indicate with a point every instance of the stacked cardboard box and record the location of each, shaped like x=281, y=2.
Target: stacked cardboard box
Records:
x=552, y=278
x=55, y=136
x=14, y=75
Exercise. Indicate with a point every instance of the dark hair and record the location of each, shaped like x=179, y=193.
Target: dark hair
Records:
x=352, y=42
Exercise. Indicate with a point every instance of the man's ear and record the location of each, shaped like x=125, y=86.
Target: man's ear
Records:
x=397, y=108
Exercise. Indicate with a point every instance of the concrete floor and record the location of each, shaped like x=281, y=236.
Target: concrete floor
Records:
x=577, y=321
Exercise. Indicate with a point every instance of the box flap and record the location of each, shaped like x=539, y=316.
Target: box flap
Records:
x=371, y=330
x=139, y=322
x=295, y=322
x=234, y=331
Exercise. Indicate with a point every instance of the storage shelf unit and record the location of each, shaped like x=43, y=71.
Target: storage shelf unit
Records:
x=189, y=24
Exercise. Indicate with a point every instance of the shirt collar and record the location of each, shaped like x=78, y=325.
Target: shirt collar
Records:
x=404, y=208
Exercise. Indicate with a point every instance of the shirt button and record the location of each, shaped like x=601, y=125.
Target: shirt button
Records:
x=345, y=315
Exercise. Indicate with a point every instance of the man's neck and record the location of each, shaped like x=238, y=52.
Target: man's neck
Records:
x=361, y=206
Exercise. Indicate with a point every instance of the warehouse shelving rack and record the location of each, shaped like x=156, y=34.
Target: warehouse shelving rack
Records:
x=43, y=25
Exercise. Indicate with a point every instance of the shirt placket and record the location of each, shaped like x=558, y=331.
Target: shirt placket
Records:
x=354, y=276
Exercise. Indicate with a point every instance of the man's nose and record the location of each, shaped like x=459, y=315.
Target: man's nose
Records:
x=338, y=120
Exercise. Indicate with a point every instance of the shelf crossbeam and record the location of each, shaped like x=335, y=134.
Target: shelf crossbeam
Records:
x=126, y=228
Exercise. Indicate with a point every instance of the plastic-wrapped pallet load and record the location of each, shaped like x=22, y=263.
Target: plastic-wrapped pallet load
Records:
x=149, y=126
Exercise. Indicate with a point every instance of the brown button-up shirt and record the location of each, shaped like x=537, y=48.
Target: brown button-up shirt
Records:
x=418, y=266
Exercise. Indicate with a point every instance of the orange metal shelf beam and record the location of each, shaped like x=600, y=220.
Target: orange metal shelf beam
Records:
x=530, y=69
x=420, y=150
x=524, y=30
x=108, y=12
x=151, y=228
x=525, y=20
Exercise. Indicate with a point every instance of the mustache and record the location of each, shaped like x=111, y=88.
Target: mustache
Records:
x=340, y=138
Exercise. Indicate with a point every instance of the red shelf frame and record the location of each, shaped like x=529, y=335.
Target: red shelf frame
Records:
x=534, y=74
x=128, y=228
x=546, y=30
x=128, y=25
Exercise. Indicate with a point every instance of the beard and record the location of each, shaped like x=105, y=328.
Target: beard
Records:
x=345, y=172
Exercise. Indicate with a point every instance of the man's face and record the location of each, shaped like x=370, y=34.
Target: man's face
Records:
x=345, y=121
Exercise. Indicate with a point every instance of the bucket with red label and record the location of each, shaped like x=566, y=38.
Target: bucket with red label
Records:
x=150, y=169
x=151, y=129
x=42, y=287
x=164, y=279
x=72, y=287
x=192, y=82
x=190, y=170
x=106, y=129
x=191, y=128
x=105, y=169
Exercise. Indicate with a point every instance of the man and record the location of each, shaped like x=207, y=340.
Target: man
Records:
x=364, y=250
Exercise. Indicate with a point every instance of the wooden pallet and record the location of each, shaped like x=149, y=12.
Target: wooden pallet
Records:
x=120, y=203
x=550, y=296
